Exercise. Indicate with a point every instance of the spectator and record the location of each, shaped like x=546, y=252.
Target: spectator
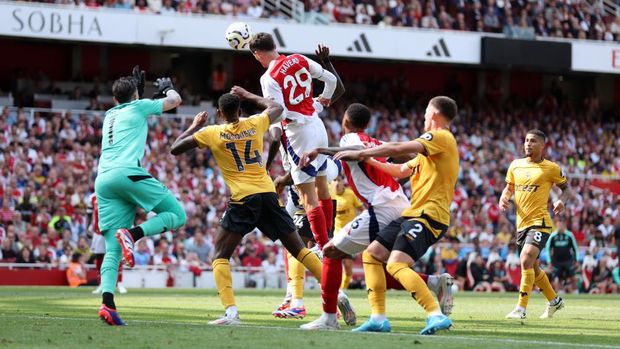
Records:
x=7, y=253
x=478, y=274
x=25, y=255
x=60, y=220
x=141, y=255
x=77, y=272
x=163, y=255
x=272, y=271
x=199, y=245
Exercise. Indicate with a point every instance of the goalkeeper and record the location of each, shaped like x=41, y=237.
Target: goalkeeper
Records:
x=122, y=184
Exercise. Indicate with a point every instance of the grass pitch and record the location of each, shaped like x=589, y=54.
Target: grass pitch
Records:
x=57, y=317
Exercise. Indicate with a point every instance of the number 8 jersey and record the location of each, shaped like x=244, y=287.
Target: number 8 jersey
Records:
x=288, y=81
x=237, y=148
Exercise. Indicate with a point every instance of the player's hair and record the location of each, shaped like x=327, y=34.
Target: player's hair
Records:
x=123, y=89
x=229, y=105
x=445, y=105
x=262, y=42
x=538, y=133
x=359, y=115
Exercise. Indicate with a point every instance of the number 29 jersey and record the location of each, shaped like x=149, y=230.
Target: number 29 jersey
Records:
x=237, y=148
x=288, y=81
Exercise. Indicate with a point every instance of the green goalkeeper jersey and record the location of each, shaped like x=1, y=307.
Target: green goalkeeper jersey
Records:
x=124, y=133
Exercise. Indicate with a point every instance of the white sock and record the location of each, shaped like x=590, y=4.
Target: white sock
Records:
x=433, y=282
x=435, y=313
x=378, y=317
x=296, y=303
x=330, y=317
x=231, y=311
x=520, y=309
x=555, y=300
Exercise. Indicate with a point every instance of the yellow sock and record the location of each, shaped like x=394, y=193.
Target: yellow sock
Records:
x=311, y=261
x=375, y=283
x=542, y=281
x=413, y=283
x=223, y=281
x=346, y=280
x=527, y=282
x=296, y=274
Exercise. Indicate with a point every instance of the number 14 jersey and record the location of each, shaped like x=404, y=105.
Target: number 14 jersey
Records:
x=238, y=148
x=288, y=81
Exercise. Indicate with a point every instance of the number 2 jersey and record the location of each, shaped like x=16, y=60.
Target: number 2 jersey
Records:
x=124, y=133
x=532, y=184
x=238, y=148
x=433, y=180
x=288, y=81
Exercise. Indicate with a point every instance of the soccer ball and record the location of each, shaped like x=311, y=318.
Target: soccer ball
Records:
x=238, y=35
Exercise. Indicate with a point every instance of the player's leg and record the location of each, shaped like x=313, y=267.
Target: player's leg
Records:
x=347, y=272
x=151, y=195
x=554, y=302
x=411, y=243
x=114, y=213
x=325, y=200
x=225, y=244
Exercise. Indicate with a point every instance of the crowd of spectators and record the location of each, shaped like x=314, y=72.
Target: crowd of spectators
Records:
x=580, y=19
x=48, y=164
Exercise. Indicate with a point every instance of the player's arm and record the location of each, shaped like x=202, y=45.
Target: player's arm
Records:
x=275, y=133
x=171, y=98
x=272, y=109
x=574, y=245
x=322, y=53
x=384, y=150
x=394, y=170
x=509, y=189
x=318, y=72
x=282, y=181
x=558, y=206
x=186, y=140
x=310, y=156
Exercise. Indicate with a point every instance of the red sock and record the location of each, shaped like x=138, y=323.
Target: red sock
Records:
x=331, y=278
x=424, y=277
x=318, y=226
x=328, y=210
x=120, y=273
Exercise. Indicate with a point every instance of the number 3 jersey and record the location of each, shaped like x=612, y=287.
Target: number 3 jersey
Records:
x=238, y=148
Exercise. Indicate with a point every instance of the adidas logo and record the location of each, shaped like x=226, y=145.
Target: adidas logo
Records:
x=357, y=45
x=439, y=50
x=278, y=37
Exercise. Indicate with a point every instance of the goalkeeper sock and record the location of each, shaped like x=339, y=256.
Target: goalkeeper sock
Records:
x=108, y=300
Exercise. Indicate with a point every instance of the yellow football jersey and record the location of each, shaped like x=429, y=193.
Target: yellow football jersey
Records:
x=433, y=180
x=532, y=184
x=238, y=150
x=346, y=208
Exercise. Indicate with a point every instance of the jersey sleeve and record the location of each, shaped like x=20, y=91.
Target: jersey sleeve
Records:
x=510, y=176
x=412, y=163
x=204, y=136
x=262, y=123
x=350, y=139
x=434, y=142
x=271, y=89
x=556, y=175
x=150, y=106
x=318, y=72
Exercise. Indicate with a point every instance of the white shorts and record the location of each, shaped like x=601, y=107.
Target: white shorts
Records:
x=363, y=229
x=301, y=138
x=97, y=246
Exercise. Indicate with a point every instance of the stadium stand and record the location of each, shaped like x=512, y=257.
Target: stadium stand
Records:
x=594, y=20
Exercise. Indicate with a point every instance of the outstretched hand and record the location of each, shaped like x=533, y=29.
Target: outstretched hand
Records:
x=138, y=77
x=307, y=158
x=349, y=155
x=200, y=119
x=240, y=92
x=322, y=52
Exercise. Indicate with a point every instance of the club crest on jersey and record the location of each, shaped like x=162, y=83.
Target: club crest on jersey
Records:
x=427, y=136
x=528, y=176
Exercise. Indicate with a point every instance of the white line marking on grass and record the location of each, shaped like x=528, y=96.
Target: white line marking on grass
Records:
x=498, y=340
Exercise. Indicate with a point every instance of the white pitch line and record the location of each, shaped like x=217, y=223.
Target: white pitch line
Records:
x=498, y=340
